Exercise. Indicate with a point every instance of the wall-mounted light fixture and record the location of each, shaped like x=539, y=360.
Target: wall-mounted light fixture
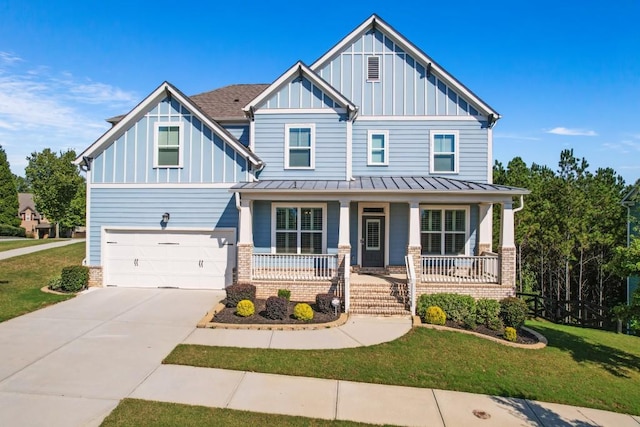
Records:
x=165, y=217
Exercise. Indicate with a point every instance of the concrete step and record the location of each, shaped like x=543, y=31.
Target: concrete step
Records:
x=380, y=311
x=378, y=299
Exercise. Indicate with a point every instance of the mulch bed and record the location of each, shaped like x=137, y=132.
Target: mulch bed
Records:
x=524, y=337
x=228, y=315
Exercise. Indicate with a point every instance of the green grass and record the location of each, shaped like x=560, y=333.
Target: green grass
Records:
x=133, y=412
x=26, y=274
x=579, y=367
x=17, y=244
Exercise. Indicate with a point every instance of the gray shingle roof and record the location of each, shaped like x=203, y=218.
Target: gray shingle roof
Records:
x=418, y=184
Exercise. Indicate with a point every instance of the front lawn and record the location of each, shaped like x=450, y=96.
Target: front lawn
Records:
x=579, y=367
x=17, y=244
x=23, y=276
x=133, y=412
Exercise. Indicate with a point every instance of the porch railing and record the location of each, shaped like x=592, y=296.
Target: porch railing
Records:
x=294, y=267
x=460, y=269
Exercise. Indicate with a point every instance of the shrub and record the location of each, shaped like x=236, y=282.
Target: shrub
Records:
x=284, y=293
x=303, y=311
x=435, y=316
x=323, y=303
x=513, y=312
x=459, y=308
x=55, y=284
x=276, y=308
x=488, y=312
x=74, y=278
x=9, y=230
x=496, y=324
x=510, y=334
x=245, y=308
x=236, y=293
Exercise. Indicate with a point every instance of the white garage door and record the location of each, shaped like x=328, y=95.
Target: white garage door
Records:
x=181, y=259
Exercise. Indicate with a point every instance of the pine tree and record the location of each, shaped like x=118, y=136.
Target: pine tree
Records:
x=8, y=194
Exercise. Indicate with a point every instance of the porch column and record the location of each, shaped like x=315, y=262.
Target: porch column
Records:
x=344, y=251
x=245, y=242
x=507, y=249
x=486, y=226
x=414, y=248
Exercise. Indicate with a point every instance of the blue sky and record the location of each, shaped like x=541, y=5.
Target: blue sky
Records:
x=563, y=74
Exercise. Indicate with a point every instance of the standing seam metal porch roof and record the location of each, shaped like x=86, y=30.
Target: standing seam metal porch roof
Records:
x=375, y=184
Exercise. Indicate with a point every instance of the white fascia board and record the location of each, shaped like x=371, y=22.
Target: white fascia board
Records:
x=409, y=47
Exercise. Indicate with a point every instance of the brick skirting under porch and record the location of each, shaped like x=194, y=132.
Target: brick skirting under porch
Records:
x=490, y=291
x=300, y=291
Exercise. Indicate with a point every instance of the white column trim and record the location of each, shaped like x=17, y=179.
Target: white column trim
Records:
x=507, y=230
x=245, y=223
x=343, y=231
x=414, y=223
x=486, y=222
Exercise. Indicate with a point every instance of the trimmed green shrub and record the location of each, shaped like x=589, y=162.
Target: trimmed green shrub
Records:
x=245, y=308
x=488, y=312
x=513, y=312
x=435, y=316
x=459, y=308
x=9, y=230
x=276, y=308
x=510, y=334
x=284, y=293
x=303, y=311
x=496, y=324
x=55, y=284
x=323, y=303
x=238, y=292
x=74, y=278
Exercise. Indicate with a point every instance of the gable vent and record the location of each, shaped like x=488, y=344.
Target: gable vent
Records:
x=373, y=68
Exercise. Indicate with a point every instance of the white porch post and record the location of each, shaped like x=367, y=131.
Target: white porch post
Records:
x=344, y=250
x=414, y=247
x=507, y=249
x=245, y=242
x=486, y=228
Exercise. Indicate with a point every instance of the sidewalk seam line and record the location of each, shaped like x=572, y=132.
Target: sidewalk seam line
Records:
x=433, y=392
x=235, y=390
x=335, y=417
x=347, y=334
x=526, y=401
x=270, y=339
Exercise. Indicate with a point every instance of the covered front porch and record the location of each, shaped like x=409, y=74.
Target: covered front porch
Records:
x=315, y=236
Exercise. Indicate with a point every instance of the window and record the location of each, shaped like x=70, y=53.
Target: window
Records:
x=299, y=229
x=299, y=146
x=168, y=145
x=443, y=231
x=378, y=148
x=27, y=216
x=444, y=156
x=373, y=68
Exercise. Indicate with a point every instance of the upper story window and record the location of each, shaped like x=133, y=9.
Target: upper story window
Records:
x=373, y=68
x=168, y=145
x=299, y=229
x=299, y=146
x=444, y=152
x=378, y=148
x=27, y=216
x=443, y=230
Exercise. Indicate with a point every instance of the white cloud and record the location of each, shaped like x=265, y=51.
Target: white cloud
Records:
x=572, y=132
x=623, y=147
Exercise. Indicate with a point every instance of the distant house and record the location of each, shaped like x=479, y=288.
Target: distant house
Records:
x=32, y=221
x=630, y=201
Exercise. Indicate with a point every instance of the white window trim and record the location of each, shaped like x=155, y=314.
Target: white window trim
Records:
x=156, y=133
x=456, y=154
x=370, y=135
x=379, y=69
x=287, y=127
x=298, y=206
x=467, y=219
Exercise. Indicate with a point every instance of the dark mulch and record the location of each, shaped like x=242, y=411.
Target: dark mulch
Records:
x=524, y=337
x=228, y=315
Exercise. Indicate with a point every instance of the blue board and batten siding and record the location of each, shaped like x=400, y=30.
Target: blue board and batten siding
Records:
x=300, y=93
x=404, y=88
x=129, y=159
x=203, y=208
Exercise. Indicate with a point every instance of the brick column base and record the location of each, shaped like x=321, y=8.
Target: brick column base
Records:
x=507, y=266
x=95, y=276
x=245, y=252
x=484, y=247
x=415, y=252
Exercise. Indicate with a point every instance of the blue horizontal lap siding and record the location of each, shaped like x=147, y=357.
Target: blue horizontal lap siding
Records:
x=330, y=145
x=143, y=207
x=404, y=87
x=299, y=94
x=206, y=157
x=409, y=147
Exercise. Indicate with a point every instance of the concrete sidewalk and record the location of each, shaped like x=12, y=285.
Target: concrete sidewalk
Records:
x=369, y=403
x=37, y=248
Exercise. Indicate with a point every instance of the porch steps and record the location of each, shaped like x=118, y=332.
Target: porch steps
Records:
x=379, y=299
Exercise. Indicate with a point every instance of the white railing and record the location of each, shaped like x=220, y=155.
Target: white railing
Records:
x=411, y=281
x=294, y=267
x=460, y=269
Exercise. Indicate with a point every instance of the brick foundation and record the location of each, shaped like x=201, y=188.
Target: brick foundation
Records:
x=300, y=291
x=496, y=292
x=415, y=252
x=243, y=268
x=95, y=276
x=507, y=266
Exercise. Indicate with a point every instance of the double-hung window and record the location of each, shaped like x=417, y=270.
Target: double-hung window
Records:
x=443, y=230
x=299, y=146
x=168, y=145
x=444, y=152
x=378, y=148
x=299, y=229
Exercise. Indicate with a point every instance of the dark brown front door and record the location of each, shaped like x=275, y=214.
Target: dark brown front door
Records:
x=373, y=241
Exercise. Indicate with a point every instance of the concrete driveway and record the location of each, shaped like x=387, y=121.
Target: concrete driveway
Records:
x=70, y=364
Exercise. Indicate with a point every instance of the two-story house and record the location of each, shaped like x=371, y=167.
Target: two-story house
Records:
x=370, y=162
x=34, y=223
